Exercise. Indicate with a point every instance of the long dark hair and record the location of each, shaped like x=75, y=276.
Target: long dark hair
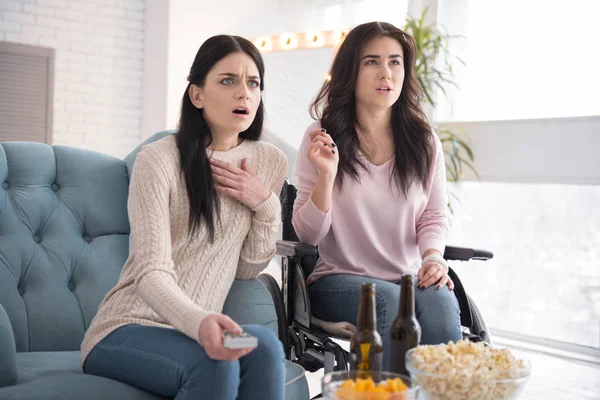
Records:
x=194, y=135
x=336, y=99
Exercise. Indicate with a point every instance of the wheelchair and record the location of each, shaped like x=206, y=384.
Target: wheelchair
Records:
x=311, y=346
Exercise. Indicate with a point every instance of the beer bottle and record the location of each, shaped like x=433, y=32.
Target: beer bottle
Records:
x=366, y=346
x=405, y=331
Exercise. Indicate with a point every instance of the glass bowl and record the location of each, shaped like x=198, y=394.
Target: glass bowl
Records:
x=477, y=383
x=332, y=381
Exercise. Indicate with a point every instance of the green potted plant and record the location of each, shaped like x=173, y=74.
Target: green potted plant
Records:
x=434, y=68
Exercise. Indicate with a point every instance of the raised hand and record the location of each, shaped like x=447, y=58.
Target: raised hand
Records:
x=323, y=153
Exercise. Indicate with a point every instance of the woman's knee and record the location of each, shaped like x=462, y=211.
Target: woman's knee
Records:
x=442, y=301
x=216, y=371
x=270, y=348
x=439, y=315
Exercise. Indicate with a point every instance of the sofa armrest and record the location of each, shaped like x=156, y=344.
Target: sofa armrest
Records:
x=8, y=351
x=249, y=302
x=289, y=248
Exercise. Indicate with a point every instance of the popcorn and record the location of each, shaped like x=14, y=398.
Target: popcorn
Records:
x=467, y=371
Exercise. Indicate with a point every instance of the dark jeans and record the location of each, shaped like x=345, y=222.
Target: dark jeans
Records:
x=336, y=298
x=168, y=363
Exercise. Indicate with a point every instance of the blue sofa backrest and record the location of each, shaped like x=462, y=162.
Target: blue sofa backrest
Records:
x=64, y=236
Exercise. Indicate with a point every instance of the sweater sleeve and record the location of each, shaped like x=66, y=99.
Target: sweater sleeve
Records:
x=259, y=246
x=150, y=241
x=310, y=223
x=432, y=226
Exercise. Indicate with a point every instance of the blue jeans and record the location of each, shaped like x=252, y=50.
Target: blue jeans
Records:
x=336, y=298
x=168, y=363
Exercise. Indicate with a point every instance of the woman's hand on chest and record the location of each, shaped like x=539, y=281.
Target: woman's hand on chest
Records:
x=240, y=184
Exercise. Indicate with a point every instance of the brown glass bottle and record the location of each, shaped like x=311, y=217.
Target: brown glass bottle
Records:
x=405, y=331
x=366, y=346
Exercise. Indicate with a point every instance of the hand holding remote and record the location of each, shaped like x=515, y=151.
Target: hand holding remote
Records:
x=210, y=336
x=239, y=341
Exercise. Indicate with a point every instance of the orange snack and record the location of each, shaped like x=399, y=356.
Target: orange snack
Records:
x=367, y=389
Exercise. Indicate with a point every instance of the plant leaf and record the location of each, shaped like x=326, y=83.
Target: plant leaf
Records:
x=471, y=167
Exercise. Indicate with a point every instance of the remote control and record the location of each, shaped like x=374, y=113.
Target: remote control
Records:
x=241, y=341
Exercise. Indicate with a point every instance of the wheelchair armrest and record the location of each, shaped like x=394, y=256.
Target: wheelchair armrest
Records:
x=289, y=248
x=466, y=254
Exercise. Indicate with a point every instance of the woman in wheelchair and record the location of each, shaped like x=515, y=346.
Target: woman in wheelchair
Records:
x=372, y=188
x=199, y=218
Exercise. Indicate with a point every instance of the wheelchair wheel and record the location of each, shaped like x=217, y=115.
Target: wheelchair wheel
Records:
x=479, y=327
x=277, y=296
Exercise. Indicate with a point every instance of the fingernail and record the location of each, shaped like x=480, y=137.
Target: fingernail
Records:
x=323, y=130
x=333, y=151
x=324, y=144
x=332, y=144
x=437, y=287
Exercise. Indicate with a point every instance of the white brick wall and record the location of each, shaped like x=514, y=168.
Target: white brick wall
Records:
x=99, y=47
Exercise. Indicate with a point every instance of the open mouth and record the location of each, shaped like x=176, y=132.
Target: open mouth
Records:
x=384, y=89
x=241, y=111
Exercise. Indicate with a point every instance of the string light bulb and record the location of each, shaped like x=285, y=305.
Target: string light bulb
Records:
x=315, y=39
x=263, y=43
x=303, y=40
x=288, y=41
x=339, y=36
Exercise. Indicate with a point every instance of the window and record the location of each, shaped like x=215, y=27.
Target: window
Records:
x=26, y=92
x=546, y=244
x=524, y=59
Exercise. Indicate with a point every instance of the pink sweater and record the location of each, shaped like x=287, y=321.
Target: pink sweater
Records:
x=372, y=230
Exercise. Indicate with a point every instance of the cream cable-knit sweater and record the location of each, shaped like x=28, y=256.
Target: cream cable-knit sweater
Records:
x=174, y=281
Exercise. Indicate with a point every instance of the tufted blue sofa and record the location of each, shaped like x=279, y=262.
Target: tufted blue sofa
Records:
x=64, y=235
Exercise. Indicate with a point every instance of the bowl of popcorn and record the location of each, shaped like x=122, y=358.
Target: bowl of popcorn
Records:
x=355, y=385
x=467, y=371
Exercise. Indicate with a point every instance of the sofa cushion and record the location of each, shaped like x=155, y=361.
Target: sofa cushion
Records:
x=58, y=376
x=38, y=365
x=73, y=386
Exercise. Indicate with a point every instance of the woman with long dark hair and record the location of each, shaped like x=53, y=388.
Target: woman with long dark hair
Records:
x=204, y=210
x=372, y=188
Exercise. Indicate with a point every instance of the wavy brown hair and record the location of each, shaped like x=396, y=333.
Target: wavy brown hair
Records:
x=335, y=106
